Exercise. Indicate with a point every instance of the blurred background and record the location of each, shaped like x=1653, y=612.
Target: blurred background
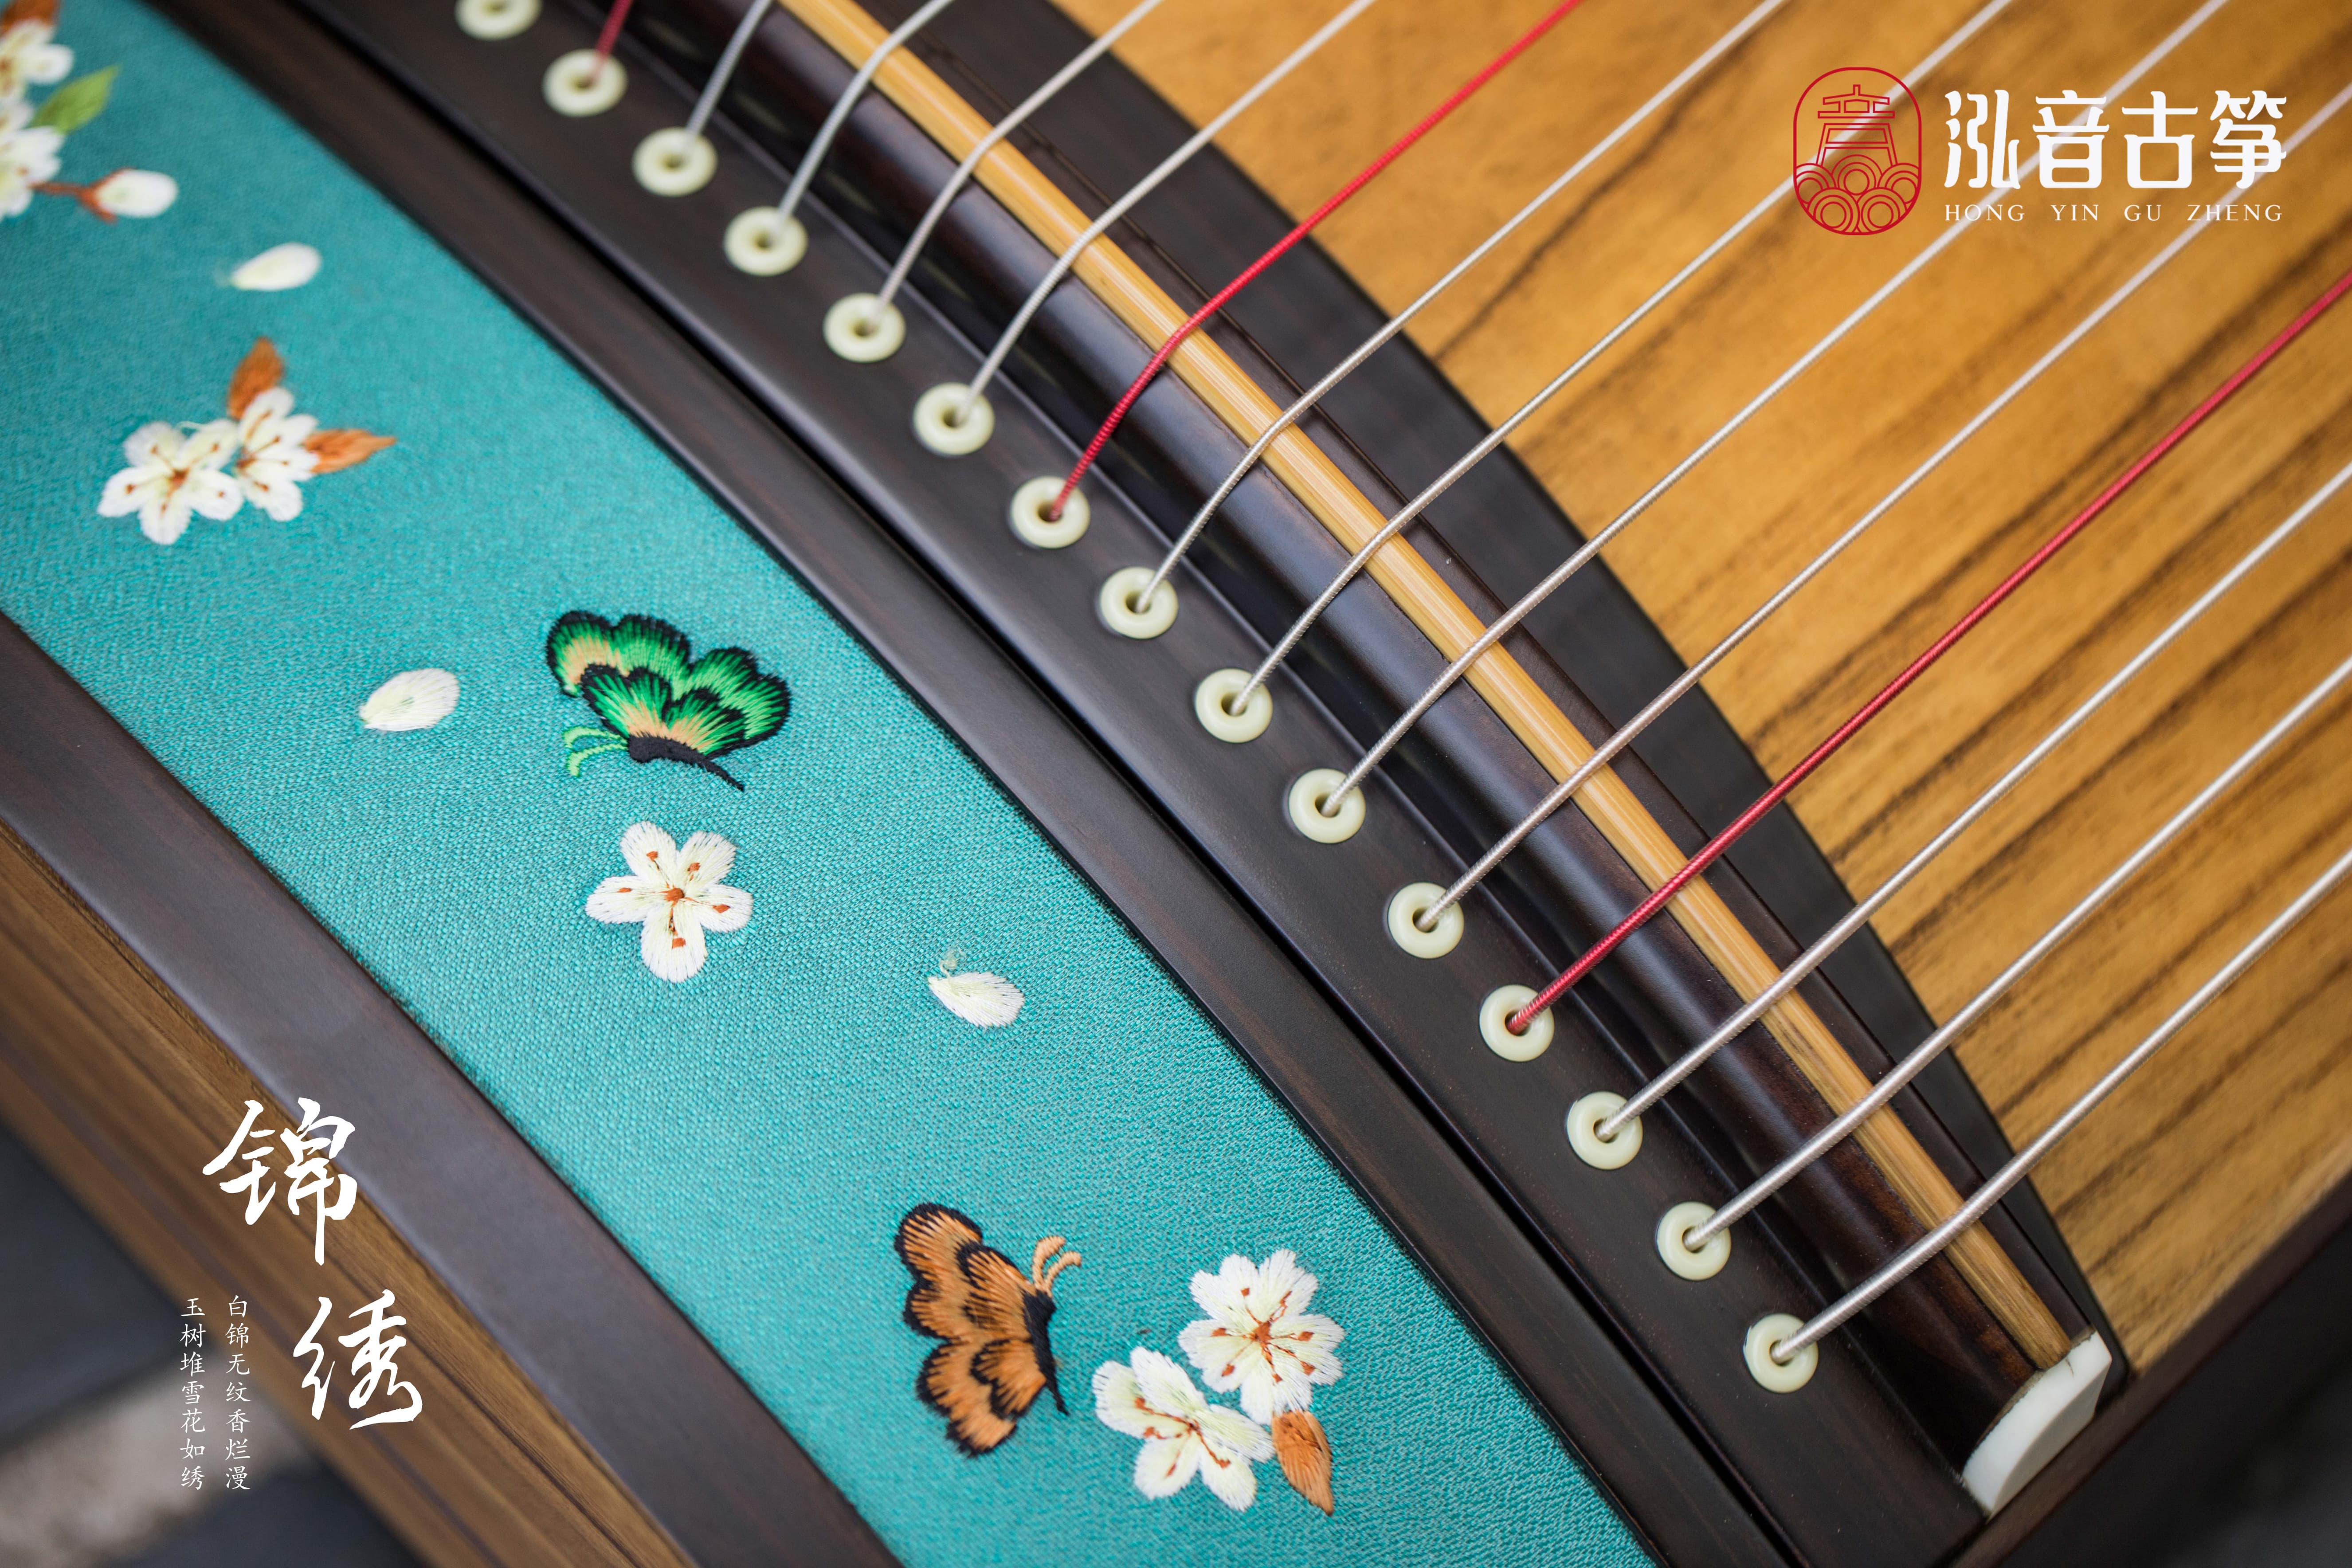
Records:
x=90, y=1383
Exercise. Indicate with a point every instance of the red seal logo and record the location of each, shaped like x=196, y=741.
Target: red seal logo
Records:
x=1856, y=169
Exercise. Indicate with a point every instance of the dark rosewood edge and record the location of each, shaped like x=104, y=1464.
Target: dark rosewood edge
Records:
x=1400, y=417
x=674, y=1423
x=2114, y=1497
x=2145, y=1426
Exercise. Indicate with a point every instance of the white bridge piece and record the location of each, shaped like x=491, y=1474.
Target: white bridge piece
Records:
x=2044, y=1417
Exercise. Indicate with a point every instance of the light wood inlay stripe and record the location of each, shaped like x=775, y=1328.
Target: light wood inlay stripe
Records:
x=2178, y=1185
x=1449, y=623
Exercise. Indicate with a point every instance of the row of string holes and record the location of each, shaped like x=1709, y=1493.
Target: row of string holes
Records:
x=673, y=163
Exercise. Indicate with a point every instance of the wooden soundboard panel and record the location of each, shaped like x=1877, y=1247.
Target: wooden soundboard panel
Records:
x=2178, y=1185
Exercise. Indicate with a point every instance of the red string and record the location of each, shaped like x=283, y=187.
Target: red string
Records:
x=1362, y=177
x=1919, y=666
x=611, y=34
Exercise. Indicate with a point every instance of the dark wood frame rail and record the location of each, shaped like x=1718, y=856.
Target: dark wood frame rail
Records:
x=582, y=1454
x=136, y=1014
x=1818, y=1470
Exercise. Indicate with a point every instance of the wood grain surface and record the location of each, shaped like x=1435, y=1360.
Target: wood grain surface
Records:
x=125, y=1096
x=1449, y=623
x=2173, y=1188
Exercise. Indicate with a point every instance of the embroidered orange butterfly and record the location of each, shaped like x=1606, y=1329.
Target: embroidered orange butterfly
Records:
x=995, y=1357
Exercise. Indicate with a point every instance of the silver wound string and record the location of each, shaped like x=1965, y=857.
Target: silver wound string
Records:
x=1607, y=751
x=1143, y=188
x=1396, y=323
x=736, y=44
x=1860, y=916
x=2016, y=1171
x=1505, y=623
x=848, y=101
x=1398, y=523
x=996, y=133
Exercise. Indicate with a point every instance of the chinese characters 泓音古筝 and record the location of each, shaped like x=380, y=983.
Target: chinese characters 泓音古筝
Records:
x=2072, y=140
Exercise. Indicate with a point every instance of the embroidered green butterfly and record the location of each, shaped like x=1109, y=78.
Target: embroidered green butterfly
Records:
x=655, y=703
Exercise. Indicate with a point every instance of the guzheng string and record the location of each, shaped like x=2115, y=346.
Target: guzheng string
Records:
x=679, y=159
x=1957, y=1023
x=1299, y=231
x=1397, y=324
x=610, y=33
x=1785, y=1349
x=1505, y=623
x=736, y=43
x=869, y=316
x=968, y=397
x=1238, y=698
x=1633, y=729
x=1859, y=915
x=772, y=233
x=1713, y=849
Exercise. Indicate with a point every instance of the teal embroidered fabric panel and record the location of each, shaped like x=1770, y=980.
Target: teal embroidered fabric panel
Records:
x=755, y=1133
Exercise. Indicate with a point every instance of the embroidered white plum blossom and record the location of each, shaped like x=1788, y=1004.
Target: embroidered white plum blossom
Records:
x=135, y=192
x=173, y=474
x=28, y=156
x=288, y=266
x=27, y=58
x=273, y=461
x=413, y=699
x=1259, y=1338
x=983, y=1000
x=267, y=449
x=1183, y=1434
x=676, y=893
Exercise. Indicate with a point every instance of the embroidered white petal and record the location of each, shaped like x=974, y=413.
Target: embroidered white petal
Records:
x=213, y=494
x=126, y=491
x=258, y=425
x=1229, y=1476
x=722, y=907
x=208, y=446
x=673, y=948
x=626, y=900
x=152, y=444
x=1231, y=1432
x=1309, y=1336
x=704, y=861
x=1183, y=1434
x=163, y=517
x=989, y=1001
x=1163, y=1386
x=413, y=699
x=648, y=849
x=135, y=192
x=1214, y=1347
x=288, y=266
x=28, y=59
x=1118, y=1403
x=29, y=156
x=1165, y=1466
x=1281, y=1277
x=275, y=488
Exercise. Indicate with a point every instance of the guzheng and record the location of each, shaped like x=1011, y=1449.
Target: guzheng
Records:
x=1357, y=782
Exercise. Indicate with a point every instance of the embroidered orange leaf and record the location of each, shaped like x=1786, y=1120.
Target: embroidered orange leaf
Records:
x=28, y=11
x=261, y=370
x=343, y=449
x=1306, y=1455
